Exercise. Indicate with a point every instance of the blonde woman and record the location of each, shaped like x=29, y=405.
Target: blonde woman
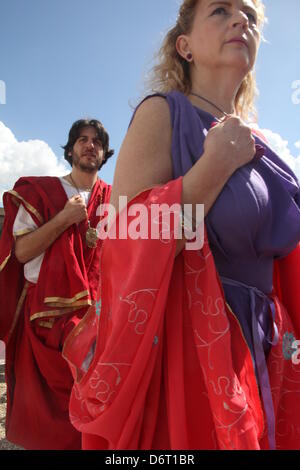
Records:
x=190, y=347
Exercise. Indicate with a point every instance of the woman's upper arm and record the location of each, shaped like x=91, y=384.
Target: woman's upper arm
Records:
x=145, y=156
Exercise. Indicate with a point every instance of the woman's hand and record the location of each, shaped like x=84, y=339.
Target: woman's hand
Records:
x=230, y=144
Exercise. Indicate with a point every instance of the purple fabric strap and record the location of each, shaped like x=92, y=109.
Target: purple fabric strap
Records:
x=259, y=359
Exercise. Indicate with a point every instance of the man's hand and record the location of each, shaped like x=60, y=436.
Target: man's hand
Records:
x=74, y=211
x=33, y=244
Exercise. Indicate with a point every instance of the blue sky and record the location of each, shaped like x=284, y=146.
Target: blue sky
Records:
x=65, y=59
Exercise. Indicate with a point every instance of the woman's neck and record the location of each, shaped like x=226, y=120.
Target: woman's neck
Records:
x=218, y=88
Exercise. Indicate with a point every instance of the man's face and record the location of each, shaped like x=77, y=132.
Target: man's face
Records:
x=87, y=153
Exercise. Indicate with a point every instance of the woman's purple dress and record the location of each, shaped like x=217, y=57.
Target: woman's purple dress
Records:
x=255, y=219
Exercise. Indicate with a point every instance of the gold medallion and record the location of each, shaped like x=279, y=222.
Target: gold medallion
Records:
x=91, y=236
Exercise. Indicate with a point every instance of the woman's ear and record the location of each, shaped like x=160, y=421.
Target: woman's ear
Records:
x=183, y=49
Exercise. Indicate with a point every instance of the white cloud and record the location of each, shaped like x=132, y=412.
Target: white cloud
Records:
x=29, y=158
x=35, y=157
x=281, y=147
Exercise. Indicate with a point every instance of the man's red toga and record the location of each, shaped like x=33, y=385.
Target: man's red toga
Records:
x=36, y=319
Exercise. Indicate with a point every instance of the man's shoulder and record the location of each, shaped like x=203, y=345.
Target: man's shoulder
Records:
x=105, y=189
x=40, y=192
x=43, y=181
x=45, y=187
x=103, y=183
x=37, y=179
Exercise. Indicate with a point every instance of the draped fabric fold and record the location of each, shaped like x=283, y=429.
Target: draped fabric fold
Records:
x=69, y=266
x=196, y=387
x=35, y=319
x=170, y=369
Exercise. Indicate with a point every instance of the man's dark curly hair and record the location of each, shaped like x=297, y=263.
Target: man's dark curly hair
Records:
x=74, y=134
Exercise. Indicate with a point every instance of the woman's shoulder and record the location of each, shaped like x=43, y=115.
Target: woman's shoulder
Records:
x=154, y=101
x=152, y=108
x=158, y=101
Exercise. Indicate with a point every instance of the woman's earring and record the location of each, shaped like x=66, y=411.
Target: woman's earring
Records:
x=189, y=57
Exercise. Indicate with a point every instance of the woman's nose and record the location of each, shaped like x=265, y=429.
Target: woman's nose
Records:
x=240, y=19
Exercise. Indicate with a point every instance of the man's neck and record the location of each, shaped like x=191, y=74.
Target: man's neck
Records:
x=83, y=180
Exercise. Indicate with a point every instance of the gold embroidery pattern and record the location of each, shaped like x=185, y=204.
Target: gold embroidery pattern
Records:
x=47, y=324
x=18, y=310
x=22, y=232
x=64, y=301
x=80, y=303
x=29, y=206
x=57, y=313
x=2, y=266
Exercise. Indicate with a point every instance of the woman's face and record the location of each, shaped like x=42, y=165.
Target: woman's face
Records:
x=224, y=34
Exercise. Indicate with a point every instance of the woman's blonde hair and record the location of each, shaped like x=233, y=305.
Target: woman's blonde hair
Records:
x=172, y=70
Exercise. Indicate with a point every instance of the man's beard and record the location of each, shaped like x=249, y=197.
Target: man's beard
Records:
x=86, y=167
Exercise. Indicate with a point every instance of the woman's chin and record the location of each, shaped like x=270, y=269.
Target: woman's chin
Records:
x=240, y=63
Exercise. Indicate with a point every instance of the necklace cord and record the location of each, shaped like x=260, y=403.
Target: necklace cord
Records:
x=75, y=185
x=259, y=149
x=91, y=235
x=211, y=103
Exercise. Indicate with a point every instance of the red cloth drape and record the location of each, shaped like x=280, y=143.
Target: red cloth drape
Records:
x=171, y=368
x=38, y=378
x=287, y=282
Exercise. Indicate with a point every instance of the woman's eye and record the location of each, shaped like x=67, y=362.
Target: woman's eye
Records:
x=222, y=11
x=252, y=18
x=219, y=11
